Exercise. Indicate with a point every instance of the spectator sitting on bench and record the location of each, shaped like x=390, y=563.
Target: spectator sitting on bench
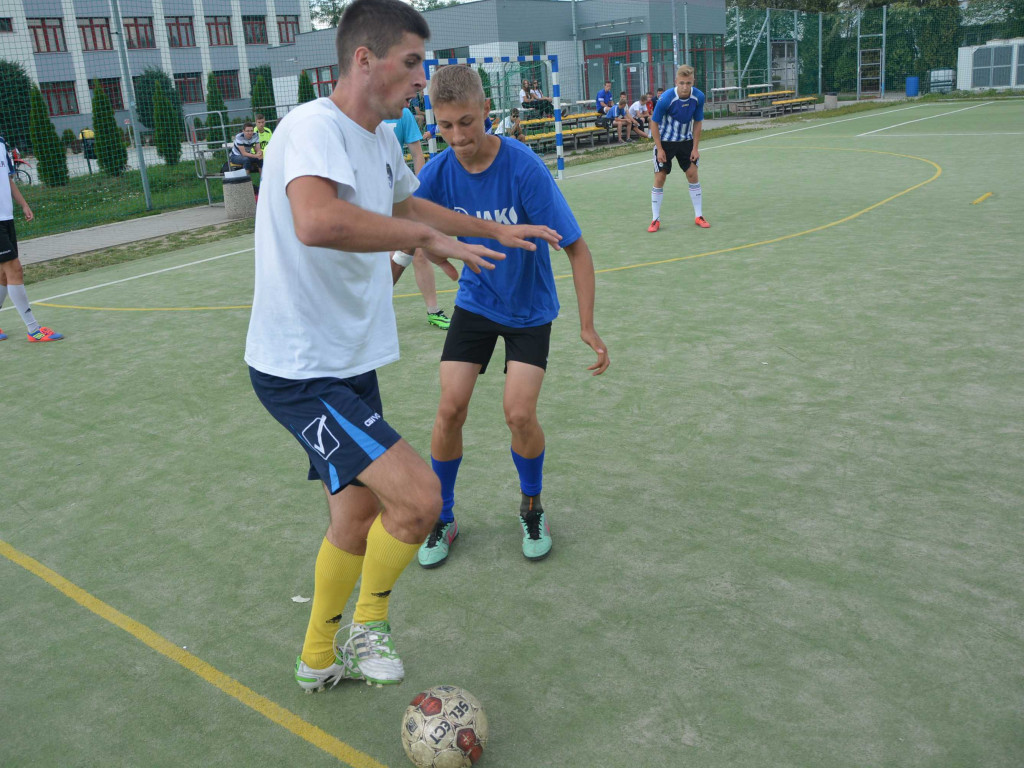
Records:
x=651, y=102
x=510, y=126
x=619, y=116
x=547, y=105
x=639, y=112
x=604, y=102
x=245, y=152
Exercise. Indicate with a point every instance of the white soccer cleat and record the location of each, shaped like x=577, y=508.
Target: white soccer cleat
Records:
x=373, y=653
x=313, y=680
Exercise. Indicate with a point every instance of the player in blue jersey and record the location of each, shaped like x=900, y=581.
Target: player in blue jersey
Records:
x=500, y=179
x=675, y=127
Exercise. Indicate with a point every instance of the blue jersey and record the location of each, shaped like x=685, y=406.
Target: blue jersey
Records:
x=515, y=189
x=604, y=98
x=407, y=130
x=675, y=116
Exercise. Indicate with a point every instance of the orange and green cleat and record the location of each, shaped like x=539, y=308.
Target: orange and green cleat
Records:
x=655, y=226
x=700, y=221
x=45, y=334
x=2, y=335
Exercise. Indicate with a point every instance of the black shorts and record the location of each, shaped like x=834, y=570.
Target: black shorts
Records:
x=680, y=150
x=471, y=339
x=337, y=421
x=8, y=241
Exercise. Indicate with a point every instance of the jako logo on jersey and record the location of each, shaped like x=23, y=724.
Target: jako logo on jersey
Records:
x=320, y=438
x=369, y=421
x=501, y=215
x=391, y=176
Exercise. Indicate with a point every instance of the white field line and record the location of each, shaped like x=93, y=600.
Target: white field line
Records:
x=943, y=135
x=930, y=117
x=822, y=124
x=137, y=277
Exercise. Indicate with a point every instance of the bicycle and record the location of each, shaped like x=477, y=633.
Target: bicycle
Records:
x=21, y=175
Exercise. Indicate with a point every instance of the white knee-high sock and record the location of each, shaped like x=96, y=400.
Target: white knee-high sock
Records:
x=20, y=299
x=656, y=195
x=695, y=198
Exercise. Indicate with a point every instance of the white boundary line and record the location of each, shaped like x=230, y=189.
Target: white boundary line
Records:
x=137, y=277
x=920, y=135
x=930, y=117
x=822, y=124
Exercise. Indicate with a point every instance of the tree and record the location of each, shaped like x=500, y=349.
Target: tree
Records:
x=167, y=140
x=263, y=95
x=15, y=95
x=145, y=89
x=326, y=14
x=111, y=154
x=51, y=159
x=218, y=109
x=485, y=79
x=433, y=5
x=306, y=92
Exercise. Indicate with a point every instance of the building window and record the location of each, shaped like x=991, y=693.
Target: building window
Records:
x=95, y=34
x=112, y=87
x=6, y=25
x=60, y=98
x=227, y=82
x=180, y=33
x=452, y=53
x=138, y=32
x=323, y=79
x=255, y=30
x=190, y=87
x=287, y=28
x=47, y=35
x=218, y=28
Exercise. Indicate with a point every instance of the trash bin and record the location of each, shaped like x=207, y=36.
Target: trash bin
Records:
x=913, y=86
x=88, y=139
x=831, y=100
x=239, y=200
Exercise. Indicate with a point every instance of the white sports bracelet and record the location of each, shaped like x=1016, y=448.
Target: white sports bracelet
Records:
x=401, y=258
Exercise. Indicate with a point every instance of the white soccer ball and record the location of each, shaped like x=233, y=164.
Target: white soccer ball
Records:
x=444, y=727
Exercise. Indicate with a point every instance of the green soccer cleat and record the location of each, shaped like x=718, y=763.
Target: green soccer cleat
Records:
x=434, y=551
x=439, y=319
x=536, y=533
x=372, y=651
x=313, y=680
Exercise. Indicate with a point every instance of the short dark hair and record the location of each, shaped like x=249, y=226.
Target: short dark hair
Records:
x=259, y=116
x=378, y=25
x=247, y=124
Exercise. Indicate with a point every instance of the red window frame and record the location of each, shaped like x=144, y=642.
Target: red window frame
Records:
x=139, y=33
x=47, y=35
x=181, y=33
x=323, y=79
x=61, y=97
x=95, y=31
x=227, y=83
x=190, y=87
x=287, y=28
x=218, y=31
x=112, y=87
x=255, y=30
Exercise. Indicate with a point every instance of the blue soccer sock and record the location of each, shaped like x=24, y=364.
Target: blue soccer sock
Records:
x=531, y=473
x=447, y=472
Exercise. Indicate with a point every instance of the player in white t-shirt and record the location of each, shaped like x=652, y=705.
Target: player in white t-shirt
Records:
x=336, y=201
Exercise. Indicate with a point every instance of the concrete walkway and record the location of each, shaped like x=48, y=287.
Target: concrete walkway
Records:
x=119, y=233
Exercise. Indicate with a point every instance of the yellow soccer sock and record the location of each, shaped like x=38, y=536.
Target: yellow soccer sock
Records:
x=386, y=558
x=337, y=572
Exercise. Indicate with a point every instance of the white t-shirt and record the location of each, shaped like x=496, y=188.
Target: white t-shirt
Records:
x=6, y=169
x=523, y=97
x=316, y=311
x=636, y=108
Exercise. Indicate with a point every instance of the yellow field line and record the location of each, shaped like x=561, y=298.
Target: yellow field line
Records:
x=983, y=198
x=264, y=706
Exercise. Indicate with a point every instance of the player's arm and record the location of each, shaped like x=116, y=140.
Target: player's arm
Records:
x=322, y=220
x=20, y=200
x=461, y=225
x=583, y=280
x=656, y=135
x=416, y=150
x=698, y=125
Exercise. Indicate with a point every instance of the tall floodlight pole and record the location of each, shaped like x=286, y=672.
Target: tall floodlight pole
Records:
x=819, y=53
x=686, y=34
x=675, y=40
x=768, y=45
x=118, y=32
x=739, y=52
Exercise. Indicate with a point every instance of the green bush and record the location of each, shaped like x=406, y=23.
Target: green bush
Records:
x=306, y=92
x=263, y=95
x=51, y=158
x=215, y=104
x=67, y=139
x=110, y=150
x=15, y=96
x=166, y=137
x=145, y=91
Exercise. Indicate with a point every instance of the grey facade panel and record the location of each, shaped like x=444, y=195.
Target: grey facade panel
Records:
x=140, y=61
x=216, y=8
x=104, y=65
x=223, y=57
x=533, y=21
x=186, y=60
x=55, y=67
x=48, y=9
x=254, y=8
x=461, y=25
x=94, y=8
x=289, y=8
x=133, y=8
x=178, y=8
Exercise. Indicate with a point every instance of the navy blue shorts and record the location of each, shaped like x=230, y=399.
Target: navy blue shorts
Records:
x=337, y=421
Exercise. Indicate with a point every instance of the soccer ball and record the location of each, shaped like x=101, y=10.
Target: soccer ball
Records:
x=444, y=727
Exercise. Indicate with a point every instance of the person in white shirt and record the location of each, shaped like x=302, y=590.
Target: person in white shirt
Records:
x=638, y=111
x=336, y=202
x=510, y=126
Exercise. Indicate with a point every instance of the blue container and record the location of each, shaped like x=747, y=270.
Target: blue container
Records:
x=913, y=86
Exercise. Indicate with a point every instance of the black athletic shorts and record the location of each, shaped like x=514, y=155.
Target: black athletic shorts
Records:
x=680, y=150
x=8, y=241
x=337, y=421
x=471, y=339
